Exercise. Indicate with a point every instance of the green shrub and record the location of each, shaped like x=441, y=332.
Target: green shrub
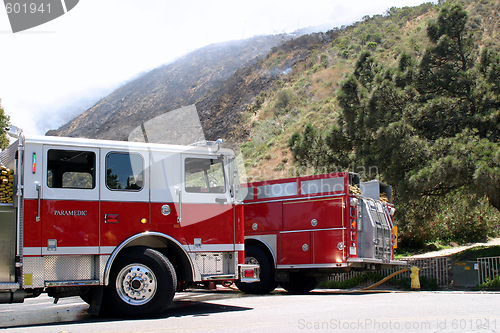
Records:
x=344, y=54
x=490, y=284
x=324, y=60
x=283, y=98
x=372, y=46
x=459, y=217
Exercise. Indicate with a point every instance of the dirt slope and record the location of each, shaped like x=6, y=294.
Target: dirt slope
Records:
x=454, y=250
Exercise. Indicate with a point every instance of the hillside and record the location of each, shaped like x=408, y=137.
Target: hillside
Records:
x=257, y=92
x=262, y=88
x=168, y=87
x=307, y=94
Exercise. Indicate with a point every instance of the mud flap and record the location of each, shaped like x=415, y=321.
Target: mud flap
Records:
x=95, y=304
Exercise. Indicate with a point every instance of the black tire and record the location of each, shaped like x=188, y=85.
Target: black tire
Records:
x=300, y=284
x=256, y=255
x=130, y=294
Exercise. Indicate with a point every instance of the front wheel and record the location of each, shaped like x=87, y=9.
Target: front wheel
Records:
x=255, y=255
x=142, y=283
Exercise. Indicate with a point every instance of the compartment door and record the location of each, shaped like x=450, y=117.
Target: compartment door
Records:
x=295, y=248
x=329, y=246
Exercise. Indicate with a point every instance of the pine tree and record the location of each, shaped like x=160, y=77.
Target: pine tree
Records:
x=431, y=126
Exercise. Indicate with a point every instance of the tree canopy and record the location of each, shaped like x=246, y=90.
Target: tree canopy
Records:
x=430, y=126
x=4, y=122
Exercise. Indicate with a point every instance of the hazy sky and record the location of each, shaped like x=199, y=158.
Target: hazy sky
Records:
x=51, y=71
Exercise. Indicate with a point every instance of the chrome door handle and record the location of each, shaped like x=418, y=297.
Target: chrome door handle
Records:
x=178, y=191
x=221, y=201
x=39, y=194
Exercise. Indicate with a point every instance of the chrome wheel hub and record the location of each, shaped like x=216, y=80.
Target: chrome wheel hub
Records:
x=136, y=284
x=251, y=260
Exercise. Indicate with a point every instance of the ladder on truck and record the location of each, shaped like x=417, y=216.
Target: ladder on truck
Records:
x=382, y=228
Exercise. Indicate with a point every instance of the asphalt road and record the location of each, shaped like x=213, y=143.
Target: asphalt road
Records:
x=232, y=311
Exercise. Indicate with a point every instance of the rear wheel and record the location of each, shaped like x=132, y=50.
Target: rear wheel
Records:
x=142, y=283
x=299, y=283
x=256, y=255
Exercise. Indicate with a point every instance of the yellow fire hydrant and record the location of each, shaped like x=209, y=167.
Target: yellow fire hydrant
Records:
x=415, y=281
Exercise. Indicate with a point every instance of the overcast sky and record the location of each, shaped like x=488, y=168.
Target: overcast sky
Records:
x=49, y=72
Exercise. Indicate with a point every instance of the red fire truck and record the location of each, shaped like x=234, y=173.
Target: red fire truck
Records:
x=300, y=230
x=121, y=224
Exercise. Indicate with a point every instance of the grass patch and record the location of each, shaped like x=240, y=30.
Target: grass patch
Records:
x=403, y=252
x=490, y=284
x=478, y=252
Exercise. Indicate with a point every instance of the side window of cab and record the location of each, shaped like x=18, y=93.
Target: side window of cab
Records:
x=204, y=175
x=71, y=169
x=124, y=171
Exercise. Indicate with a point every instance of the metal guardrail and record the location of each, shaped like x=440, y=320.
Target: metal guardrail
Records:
x=432, y=268
x=488, y=268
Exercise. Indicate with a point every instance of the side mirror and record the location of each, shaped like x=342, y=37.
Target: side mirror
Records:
x=219, y=143
x=14, y=132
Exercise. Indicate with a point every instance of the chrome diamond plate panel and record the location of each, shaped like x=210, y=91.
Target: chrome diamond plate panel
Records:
x=63, y=268
x=215, y=263
x=33, y=269
x=103, y=260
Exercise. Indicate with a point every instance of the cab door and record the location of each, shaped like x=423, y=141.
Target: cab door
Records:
x=69, y=205
x=124, y=209
x=206, y=210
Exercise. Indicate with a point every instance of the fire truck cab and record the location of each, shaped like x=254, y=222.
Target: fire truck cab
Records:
x=122, y=223
x=301, y=230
